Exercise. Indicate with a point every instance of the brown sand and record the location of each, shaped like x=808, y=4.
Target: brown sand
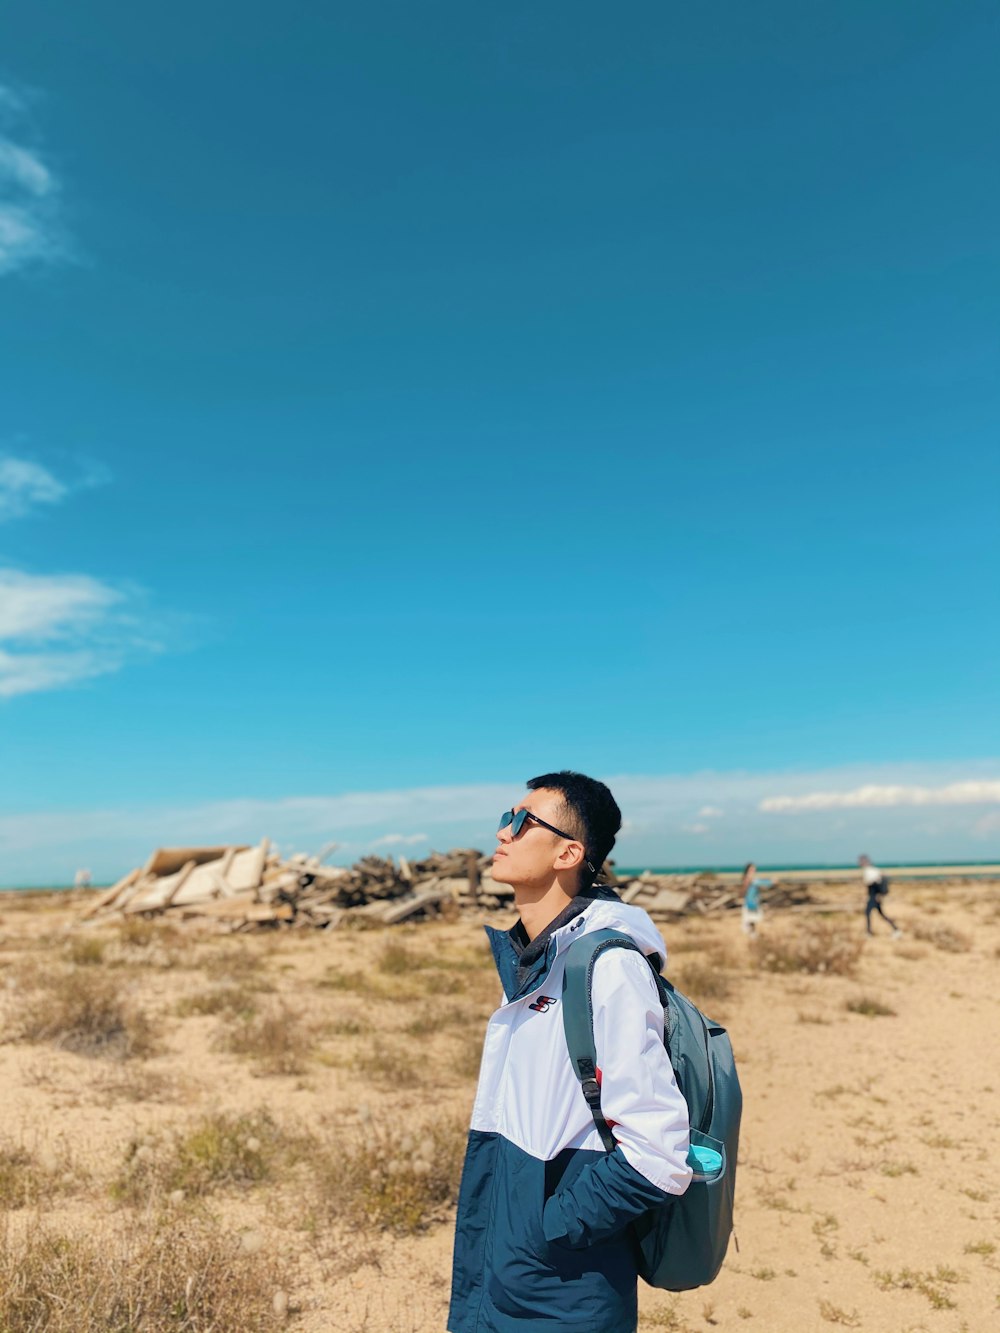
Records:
x=870, y=1157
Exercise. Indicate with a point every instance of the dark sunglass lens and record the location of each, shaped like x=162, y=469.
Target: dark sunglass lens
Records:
x=519, y=822
x=505, y=819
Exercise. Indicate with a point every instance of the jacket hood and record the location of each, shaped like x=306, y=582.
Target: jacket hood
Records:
x=613, y=914
x=604, y=911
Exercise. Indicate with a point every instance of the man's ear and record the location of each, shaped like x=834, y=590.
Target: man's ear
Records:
x=571, y=856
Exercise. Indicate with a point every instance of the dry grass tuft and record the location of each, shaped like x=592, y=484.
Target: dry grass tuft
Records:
x=26, y=1180
x=834, y=1315
x=945, y=938
x=277, y=1040
x=393, y=1066
x=86, y=1012
x=236, y=1000
x=396, y=957
x=85, y=951
x=702, y=982
x=819, y=947
x=177, y=1278
x=237, y=963
x=986, y=1248
x=218, y=1152
x=668, y=1319
x=913, y=953
x=382, y=1182
x=146, y=943
x=139, y=932
x=134, y=1083
x=869, y=1006
x=929, y=1284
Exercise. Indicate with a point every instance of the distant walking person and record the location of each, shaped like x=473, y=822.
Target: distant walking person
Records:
x=750, y=887
x=877, y=886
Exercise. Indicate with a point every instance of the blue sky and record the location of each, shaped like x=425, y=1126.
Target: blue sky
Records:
x=412, y=400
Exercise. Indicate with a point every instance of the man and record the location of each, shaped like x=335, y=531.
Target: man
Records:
x=542, y=1238
x=877, y=886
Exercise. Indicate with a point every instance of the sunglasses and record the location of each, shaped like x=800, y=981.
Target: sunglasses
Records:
x=515, y=820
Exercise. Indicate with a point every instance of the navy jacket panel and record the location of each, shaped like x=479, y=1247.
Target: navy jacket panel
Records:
x=507, y=1277
x=601, y=1195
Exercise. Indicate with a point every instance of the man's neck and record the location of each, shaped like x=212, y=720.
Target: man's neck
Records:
x=538, y=907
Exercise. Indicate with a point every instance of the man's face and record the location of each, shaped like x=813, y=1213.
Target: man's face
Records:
x=533, y=856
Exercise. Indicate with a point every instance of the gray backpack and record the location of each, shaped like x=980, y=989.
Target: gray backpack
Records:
x=683, y=1243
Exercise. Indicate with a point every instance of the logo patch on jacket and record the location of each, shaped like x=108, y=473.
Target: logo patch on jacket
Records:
x=543, y=1004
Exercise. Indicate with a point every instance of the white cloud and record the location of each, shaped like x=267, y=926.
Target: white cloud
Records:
x=24, y=484
x=710, y=812
x=30, y=226
x=46, y=846
x=399, y=840
x=24, y=170
x=40, y=607
x=878, y=797
x=30, y=673
x=59, y=629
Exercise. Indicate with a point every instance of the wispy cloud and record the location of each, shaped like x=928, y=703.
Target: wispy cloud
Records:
x=30, y=225
x=26, y=484
x=56, y=630
x=710, y=812
x=662, y=822
x=38, y=607
x=873, y=796
x=399, y=840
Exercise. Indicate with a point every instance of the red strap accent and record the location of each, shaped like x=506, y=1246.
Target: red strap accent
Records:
x=597, y=1074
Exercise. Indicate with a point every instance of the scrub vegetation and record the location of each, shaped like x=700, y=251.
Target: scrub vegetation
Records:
x=212, y=1134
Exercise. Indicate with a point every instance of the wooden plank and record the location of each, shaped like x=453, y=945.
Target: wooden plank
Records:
x=108, y=897
x=247, y=868
x=218, y=907
x=203, y=884
x=182, y=876
x=151, y=894
x=669, y=900
x=168, y=860
x=407, y=907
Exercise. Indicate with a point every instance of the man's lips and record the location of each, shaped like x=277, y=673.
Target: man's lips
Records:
x=497, y=853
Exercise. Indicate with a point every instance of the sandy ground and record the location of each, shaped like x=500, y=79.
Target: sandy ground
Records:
x=870, y=1156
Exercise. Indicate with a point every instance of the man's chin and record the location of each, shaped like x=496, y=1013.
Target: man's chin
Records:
x=500, y=872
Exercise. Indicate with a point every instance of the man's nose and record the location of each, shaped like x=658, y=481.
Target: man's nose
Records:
x=504, y=834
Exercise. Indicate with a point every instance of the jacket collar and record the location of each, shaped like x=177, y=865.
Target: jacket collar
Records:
x=523, y=965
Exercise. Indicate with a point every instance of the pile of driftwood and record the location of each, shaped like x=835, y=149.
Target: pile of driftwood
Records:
x=243, y=888
x=668, y=896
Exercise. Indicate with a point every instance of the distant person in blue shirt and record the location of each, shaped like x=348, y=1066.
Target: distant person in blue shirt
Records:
x=877, y=886
x=750, y=887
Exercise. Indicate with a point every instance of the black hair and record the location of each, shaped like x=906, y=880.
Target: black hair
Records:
x=592, y=811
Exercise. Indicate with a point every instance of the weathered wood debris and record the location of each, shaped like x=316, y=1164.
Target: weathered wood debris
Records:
x=243, y=888
x=240, y=888
x=667, y=896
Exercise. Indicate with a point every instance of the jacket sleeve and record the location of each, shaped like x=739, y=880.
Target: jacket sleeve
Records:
x=642, y=1103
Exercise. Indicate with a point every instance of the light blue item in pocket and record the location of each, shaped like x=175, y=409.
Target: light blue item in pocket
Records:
x=704, y=1161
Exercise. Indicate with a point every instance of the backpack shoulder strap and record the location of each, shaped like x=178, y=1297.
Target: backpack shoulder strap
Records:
x=578, y=1016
